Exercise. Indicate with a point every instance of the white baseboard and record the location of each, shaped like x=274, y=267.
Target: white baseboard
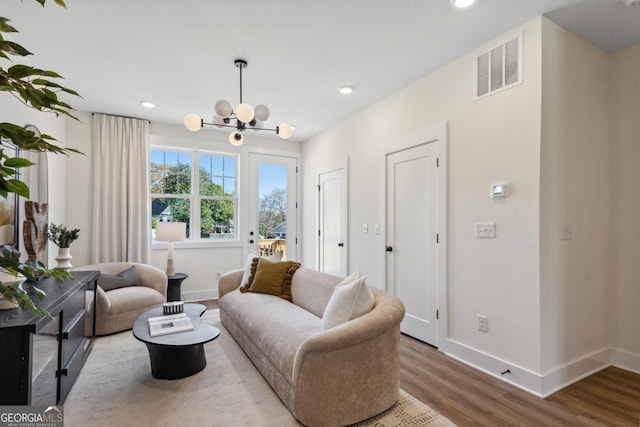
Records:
x=574, y=371
x=625, y=360
x=200, y=295
x=537, y=384
x=519, y=377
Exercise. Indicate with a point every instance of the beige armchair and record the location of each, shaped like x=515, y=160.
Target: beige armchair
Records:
x=118, y=309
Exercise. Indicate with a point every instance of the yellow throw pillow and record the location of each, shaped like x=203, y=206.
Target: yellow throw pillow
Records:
x=272, y=278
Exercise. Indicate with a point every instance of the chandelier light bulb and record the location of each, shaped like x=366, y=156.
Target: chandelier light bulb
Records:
x=259, y=125
x=462, y=3
x=193, y=122
x=284, y=130
x=236, y=138
x=223, y=108
x=220, y=122
x=244, y=112
x=262, y=113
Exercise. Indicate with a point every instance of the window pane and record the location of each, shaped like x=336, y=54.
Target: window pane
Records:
x=217, y=219
x=217, y=175
x=170, y=172
x=168, y=209
x=272, y=190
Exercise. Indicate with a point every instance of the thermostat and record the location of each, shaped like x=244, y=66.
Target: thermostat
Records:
x=499, y=190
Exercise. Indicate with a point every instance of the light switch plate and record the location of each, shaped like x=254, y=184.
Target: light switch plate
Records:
x=486, y=230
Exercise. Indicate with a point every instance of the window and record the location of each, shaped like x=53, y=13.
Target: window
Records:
x=199, y=188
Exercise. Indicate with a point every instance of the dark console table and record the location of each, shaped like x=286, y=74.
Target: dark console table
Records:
x=41, y=357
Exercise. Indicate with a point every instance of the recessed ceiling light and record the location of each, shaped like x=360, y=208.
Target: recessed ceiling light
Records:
x=147, y=104
x=462, y=3
x=345, y=90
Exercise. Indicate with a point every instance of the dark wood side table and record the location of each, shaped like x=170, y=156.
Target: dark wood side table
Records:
x=174, y=285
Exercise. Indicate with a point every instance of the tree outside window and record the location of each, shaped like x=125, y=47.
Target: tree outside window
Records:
x=206, y=202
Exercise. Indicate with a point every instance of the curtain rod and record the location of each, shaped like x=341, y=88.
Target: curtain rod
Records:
x=124, y=117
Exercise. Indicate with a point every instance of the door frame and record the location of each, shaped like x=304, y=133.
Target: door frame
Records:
x=435, y=134
x=344, y=165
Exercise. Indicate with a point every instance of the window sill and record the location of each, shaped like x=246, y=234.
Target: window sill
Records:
x=197, y=244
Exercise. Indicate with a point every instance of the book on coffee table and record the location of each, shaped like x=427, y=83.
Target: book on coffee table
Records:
x=163, y=325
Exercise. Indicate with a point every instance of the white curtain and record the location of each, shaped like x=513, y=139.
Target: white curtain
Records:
x=121, y=199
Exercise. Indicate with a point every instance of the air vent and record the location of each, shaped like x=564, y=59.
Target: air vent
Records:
x=498, y=68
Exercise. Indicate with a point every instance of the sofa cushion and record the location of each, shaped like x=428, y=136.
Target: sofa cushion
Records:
x=126, y=278
x=351, y=298
x=275, y=326
x=247, y=265
x=272, y=278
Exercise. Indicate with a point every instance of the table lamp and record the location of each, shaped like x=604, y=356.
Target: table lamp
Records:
x=171, y=232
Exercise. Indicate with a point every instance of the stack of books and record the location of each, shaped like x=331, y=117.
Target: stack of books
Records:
x=163, y=325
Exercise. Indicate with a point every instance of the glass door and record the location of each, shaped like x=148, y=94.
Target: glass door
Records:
x=272, y=205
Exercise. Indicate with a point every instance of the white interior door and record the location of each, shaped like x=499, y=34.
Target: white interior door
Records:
x=332, y=223
x=273, y=204
x=411, y=233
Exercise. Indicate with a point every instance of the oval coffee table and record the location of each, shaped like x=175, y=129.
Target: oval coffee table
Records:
x=177, y=355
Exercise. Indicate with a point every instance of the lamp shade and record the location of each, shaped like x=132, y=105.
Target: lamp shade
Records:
x=262, y=113
x=223, y=108
x=244, y=112
x=171, y=231
x=285, y=130
x=236, y=138
x=193, y=122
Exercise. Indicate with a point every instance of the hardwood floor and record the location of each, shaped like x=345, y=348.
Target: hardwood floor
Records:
x=469, y=397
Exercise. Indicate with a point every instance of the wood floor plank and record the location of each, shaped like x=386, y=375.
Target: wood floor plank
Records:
x=469, y=397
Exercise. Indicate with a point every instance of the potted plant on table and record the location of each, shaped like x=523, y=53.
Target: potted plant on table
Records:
x=34, y=88
x=63, y=237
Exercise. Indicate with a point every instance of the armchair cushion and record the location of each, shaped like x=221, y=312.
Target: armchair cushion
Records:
x=118, y=308
x=109, y=282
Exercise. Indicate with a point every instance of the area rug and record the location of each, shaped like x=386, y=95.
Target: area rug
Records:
x=115, y=388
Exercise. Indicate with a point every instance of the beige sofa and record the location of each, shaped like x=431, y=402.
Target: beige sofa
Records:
x=335, y=377
x=118, y=309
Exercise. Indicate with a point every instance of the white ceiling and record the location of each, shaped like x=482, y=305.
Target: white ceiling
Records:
x=179, y=54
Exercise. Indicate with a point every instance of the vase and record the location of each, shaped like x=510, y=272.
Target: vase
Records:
x=64, y=259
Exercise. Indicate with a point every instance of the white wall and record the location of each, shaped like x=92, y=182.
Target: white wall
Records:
x=492, y=140
x=625, y=199
x=574, y=190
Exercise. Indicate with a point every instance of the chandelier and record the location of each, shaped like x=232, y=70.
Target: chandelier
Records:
x=244, y=116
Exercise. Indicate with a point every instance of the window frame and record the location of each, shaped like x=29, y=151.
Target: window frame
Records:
x=194, y=197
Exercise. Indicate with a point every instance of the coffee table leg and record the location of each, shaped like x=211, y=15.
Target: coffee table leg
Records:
x=173, y=362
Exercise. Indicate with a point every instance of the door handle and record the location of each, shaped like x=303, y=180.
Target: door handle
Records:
x=340, y=245
x=251, y=241
x=388, y=249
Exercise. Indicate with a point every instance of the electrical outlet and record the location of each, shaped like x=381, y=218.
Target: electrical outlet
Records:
x=483, y=325
x=486, y=230
x=566, y=232
x=377, y=228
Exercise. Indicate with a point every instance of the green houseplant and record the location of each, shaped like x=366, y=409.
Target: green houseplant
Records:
x=62, y=236
x=35, y=88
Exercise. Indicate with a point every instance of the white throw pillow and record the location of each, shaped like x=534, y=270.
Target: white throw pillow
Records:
x=351, y=298
x=247, y=265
